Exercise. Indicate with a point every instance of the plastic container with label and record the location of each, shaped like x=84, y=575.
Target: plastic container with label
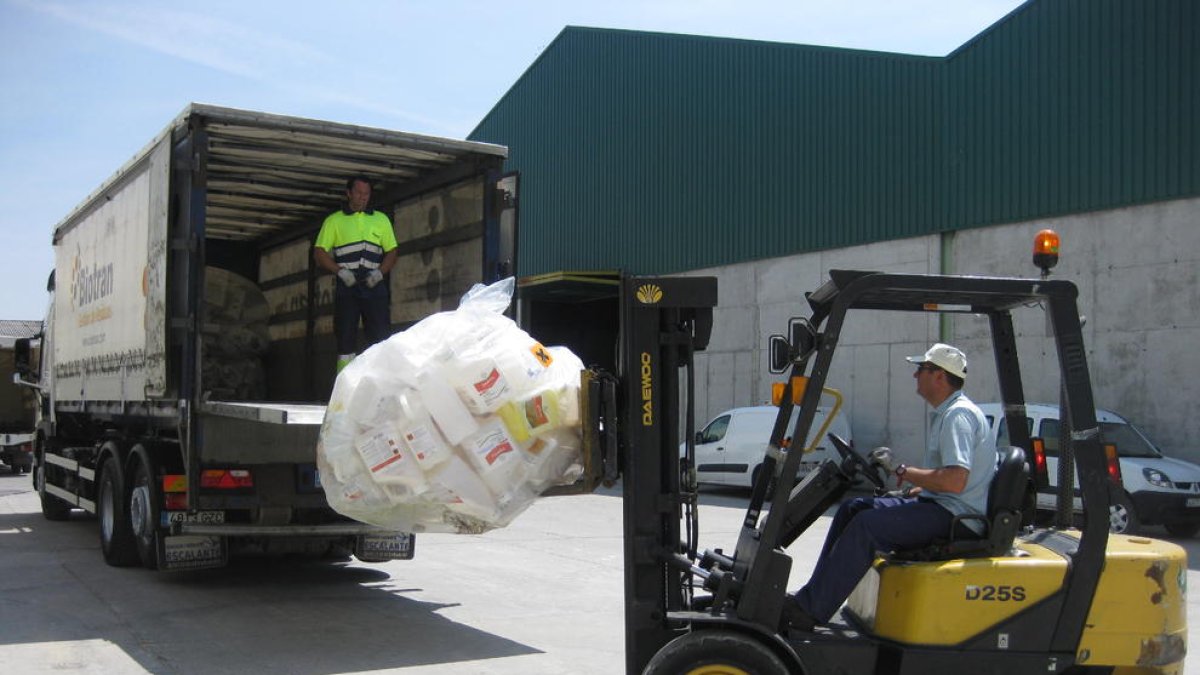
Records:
x=388, y=458
x=420, y=434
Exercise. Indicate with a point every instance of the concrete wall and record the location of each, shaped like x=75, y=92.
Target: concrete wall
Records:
x=1136, y=269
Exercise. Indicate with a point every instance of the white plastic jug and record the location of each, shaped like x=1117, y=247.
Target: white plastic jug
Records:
x=445, y=407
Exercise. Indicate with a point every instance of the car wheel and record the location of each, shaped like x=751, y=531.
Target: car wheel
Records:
x=112, y=503
x=1121, y=517
x=715, y=652
x=1182, y=530
x=754, y=481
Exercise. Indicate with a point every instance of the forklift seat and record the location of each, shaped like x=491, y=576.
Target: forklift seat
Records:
x=1001, y=524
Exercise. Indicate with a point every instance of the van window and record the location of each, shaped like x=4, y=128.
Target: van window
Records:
x=715, y=430
x=1050, y=431
x=1002, y=433
x=1129, y=442
x=1128, y=439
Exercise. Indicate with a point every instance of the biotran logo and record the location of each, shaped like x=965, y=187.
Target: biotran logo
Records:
x=90, y=283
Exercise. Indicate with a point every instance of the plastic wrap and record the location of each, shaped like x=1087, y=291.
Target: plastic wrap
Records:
x=234, y=337
x=454, y=425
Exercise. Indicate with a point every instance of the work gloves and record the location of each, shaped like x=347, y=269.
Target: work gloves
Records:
x=882, y=457
x=373, y=278
x=347, y=277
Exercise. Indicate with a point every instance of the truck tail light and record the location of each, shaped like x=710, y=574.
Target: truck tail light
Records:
x=1113, y=463
x=174, y=491
x=226, y=479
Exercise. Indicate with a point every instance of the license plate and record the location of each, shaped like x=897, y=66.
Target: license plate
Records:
x=192, y=552
x=198, y=518
x=381, y=547
x=1193, y=502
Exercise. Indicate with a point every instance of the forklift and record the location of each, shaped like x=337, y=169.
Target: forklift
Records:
x=1020, y=599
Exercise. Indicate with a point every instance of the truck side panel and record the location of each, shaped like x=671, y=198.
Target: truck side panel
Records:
x=109, y=342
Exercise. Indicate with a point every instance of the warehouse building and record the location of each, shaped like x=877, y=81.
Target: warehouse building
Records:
x=769, y=164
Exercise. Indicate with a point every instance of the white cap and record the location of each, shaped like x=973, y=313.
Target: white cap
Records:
x=949, y=359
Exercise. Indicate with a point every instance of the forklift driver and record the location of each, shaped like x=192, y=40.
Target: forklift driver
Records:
x=953, y=480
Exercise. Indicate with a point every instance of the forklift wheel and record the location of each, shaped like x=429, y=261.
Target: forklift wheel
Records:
x=715, y=652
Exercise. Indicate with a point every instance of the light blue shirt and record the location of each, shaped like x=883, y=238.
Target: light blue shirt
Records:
x=958, y=436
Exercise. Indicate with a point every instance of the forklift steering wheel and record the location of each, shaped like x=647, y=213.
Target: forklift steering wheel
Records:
x=858, y=463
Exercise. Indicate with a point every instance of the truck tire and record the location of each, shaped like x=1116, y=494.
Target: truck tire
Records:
x=112, y=508
x=53, y=508
x=144, y=500
x=715, y=652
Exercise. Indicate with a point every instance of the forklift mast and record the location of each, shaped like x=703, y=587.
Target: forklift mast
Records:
x=664, y=321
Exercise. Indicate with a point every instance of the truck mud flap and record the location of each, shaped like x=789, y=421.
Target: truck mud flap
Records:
x=192, y=552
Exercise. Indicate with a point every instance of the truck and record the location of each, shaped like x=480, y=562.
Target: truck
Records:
x=16, y=402
x=1017, y=599
x=188, y=350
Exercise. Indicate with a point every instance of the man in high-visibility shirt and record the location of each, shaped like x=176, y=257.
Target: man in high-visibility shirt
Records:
x=358, y=246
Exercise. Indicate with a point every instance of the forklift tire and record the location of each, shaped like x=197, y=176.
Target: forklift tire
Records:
x=715, y=652
x=112, y=508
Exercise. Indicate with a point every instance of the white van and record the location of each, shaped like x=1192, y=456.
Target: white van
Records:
x=730, y=449
x=1158, y=490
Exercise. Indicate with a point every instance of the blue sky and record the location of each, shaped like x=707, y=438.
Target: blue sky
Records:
x=87, y=84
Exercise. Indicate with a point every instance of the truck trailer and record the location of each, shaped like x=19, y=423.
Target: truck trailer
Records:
x=188, y=349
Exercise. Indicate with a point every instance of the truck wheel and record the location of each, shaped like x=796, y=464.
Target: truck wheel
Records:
x=1121, y=517
x=715, y=652
x=116, y=536
x=53, y=508
x=143, y=514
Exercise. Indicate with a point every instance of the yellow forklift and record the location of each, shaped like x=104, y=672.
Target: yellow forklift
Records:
x=1018, y=600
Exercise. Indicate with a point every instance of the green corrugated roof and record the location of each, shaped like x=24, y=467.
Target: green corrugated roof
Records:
x=658, y=153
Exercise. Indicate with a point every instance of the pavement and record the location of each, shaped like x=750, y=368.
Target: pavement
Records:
x=542, y=596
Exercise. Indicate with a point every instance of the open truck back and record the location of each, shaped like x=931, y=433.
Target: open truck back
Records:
x=189, y=346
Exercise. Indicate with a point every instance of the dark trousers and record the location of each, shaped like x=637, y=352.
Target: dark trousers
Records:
x=861, y=527
x=372, y=305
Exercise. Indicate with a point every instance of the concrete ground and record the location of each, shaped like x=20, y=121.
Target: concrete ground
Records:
x=541, y=596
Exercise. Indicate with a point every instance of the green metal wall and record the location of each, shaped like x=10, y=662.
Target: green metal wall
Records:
x=657, y=153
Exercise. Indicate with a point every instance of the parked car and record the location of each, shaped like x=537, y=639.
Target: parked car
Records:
x=1157, y=490
x=730, y=449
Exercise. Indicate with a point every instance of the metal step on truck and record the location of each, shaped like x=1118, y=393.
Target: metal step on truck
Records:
x=189, y=347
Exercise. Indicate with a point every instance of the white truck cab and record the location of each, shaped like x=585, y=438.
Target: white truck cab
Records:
x=1157, y=490
x=730, y=448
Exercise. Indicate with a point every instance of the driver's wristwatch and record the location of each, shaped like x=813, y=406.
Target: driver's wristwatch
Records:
x=901, y=470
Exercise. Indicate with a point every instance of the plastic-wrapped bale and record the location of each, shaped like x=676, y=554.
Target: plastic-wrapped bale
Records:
x=234, y=336
x=454, y=425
